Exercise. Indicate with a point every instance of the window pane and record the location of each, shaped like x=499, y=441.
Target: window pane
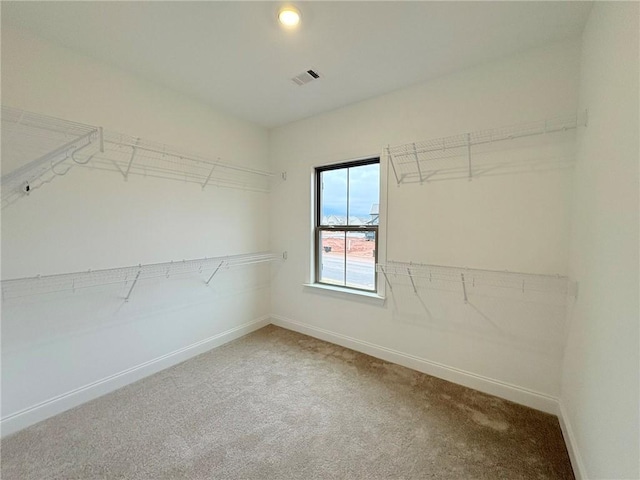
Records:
x=361, y=260
x=364, y=194
x=333, y=197
x=332, y=257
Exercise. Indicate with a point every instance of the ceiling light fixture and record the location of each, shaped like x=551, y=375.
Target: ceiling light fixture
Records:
x=289, y=16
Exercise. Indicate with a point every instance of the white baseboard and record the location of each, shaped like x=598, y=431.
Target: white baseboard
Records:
x=529, y=398
x=514, y=393
x=36, y=413
x=572, y=445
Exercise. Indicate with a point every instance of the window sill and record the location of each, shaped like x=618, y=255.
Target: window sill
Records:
x=369, y=297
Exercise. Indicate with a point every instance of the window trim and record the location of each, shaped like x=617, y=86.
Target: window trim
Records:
x=318, y=228
x=336, y=291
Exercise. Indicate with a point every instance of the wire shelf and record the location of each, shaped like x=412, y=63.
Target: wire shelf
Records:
x=207, y=268
x=37, y=148
x=134, y=156
x=470, y=280
x=34, y=148
x=451, y=157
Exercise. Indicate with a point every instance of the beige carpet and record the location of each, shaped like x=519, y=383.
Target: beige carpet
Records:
x=279, y=405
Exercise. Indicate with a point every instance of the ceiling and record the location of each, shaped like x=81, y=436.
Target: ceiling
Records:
x=235, y=57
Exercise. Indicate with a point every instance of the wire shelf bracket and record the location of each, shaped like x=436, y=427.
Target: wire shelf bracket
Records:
x=135, y=280
x=214, y=272
x=133, y=154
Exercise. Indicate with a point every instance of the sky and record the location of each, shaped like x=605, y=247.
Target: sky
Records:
x=364, y=190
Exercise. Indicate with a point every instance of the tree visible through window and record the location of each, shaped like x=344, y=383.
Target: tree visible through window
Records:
x=346, y=226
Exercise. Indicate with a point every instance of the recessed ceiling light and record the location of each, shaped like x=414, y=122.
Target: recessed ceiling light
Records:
x=289, y=16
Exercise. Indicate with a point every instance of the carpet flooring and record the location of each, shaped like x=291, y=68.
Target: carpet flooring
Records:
x=279, y=405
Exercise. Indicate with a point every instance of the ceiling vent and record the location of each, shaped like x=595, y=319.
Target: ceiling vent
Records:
x=305, y=77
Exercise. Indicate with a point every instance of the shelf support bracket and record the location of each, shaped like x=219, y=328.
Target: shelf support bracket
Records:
x=415, y=290
x=464, y=288
x=392, y=165
x=415, y=155
x=126, y=299
x=101, y=137
x=133, y=154
x=209, y=176
x=387, y=279
x=469, y=155
x=214, y=272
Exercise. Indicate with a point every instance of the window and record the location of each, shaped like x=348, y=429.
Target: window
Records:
x=346, y=224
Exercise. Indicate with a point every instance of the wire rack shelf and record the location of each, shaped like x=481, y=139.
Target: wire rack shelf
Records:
x=37, y=148
x=206, y=268
x=453, y=157
x=470, y=280
x=129, y=156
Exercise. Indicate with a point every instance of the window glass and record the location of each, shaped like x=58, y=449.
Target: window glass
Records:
x=333, y=196
x=347, y=219
x=332, y=259
x=364, y=192
x=360, y=256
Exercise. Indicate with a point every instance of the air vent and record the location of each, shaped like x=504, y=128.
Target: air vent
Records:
x=305, y=77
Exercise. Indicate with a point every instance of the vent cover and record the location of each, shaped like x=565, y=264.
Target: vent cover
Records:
x=305, y=77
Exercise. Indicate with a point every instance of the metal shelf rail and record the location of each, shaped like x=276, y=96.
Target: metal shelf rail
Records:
x=472, y=280
x=451, y=157
x=206, y=268
x=37, y=148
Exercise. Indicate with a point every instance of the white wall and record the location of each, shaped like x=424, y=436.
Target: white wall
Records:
x=60, y=343
x=516, y=222
x=89, y=219
x=600, y=390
